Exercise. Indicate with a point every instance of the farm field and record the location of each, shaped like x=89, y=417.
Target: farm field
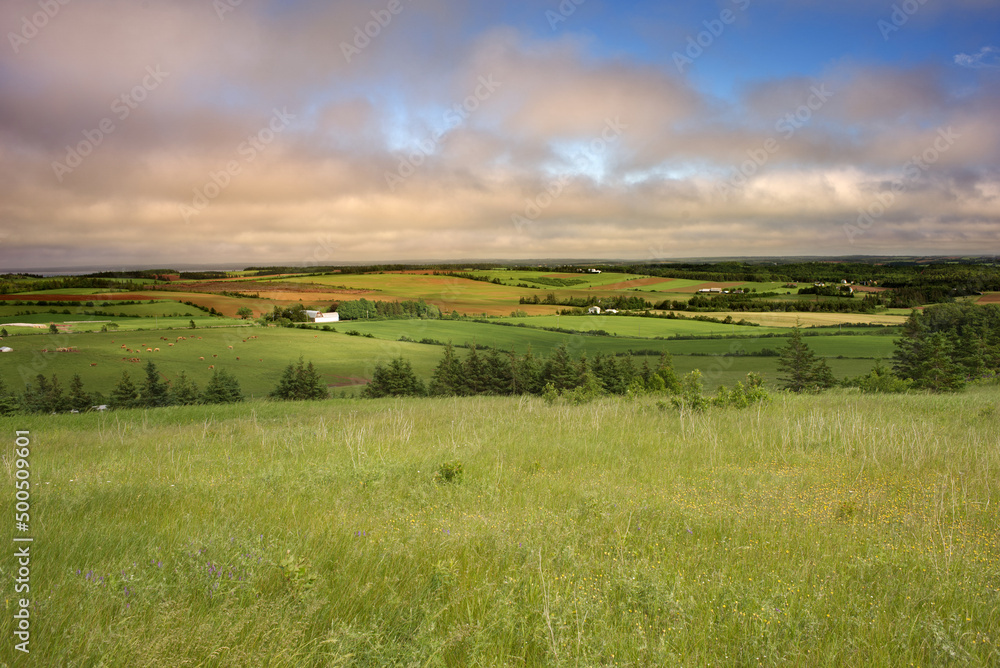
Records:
x=257, y=363
x=623, y=325
x=784, y=319
x=832, y=530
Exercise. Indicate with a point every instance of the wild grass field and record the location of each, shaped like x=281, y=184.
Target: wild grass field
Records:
x=830, y=530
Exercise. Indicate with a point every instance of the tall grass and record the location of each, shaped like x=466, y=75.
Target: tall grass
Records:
x=815, y=531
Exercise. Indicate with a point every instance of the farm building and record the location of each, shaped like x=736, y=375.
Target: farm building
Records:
x=712, y=290
x=594, y=310
x=317, y=316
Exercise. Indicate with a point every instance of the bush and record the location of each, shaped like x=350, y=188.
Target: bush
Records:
x=449, y=472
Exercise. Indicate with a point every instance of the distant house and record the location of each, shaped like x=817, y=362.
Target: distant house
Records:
x=712, y=290
x=594, y=310
x=611, y=310
x=594, y=271
x=318, y=316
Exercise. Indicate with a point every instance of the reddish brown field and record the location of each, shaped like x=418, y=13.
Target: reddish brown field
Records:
x=990, y=298
x=114, y=296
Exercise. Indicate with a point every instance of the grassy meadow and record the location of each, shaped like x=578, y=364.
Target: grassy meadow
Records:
x=829, y=530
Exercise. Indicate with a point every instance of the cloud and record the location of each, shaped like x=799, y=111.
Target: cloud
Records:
x=987, y=58
x=532, y=136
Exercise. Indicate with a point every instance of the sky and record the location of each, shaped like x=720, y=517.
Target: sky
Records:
x=309, y=132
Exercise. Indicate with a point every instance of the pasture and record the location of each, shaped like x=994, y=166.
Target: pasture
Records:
x=836, y=530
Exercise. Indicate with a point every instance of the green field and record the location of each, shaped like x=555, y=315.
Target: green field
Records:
x=343, y=361
x=832, y=530
x=623, y=325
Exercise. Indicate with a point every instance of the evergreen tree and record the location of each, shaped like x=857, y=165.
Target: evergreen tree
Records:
x=526, y=374
x=560, y=370
x=936, y=371
x=393, y=380
x=222, y=388
x=125, y=394
x=665, y=372
x=78, y=399
x=447, y=378
x=184, y=392
x=909, y=347
x=499, y=373
x=8, y=402
x=476, y=378
x=803, y=370
x=300, y=382
x=33, y=398
x=154, y=392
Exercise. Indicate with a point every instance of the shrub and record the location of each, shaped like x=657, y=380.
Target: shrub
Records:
x=449, y=472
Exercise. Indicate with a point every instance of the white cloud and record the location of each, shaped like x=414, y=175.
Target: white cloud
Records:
x=987, y=58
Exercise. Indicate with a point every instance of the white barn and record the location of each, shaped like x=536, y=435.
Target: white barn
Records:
x=320, y=317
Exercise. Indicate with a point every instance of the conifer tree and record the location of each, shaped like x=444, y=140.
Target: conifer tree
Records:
x=803, y=370
x=447, y=378
x=78, y=398
x=154, y=392
x=222, y=388
x=183, y=391
x=125, y=394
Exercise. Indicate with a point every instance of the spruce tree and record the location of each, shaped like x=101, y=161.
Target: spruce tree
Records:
x=125, y=394
x=78, y=398
x=393, y=380
x=154, y=392
x=560, y=370
x=184, y=392
x=526, y=374
x=300, y=382
x=447, y=378
x=8, y=402
x=936, y=371
x=475, y=377
x=222, y=388
x=499, y=373
x=803, y=370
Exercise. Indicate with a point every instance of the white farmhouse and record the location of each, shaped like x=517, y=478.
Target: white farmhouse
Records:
x=594, y=310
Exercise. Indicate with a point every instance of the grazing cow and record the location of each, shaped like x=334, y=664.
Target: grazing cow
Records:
x=211, y=366
x=93, y=364
x=202, y=359
x=170, y=345
x=149, y=350
x=230, y=347
x=214, y=355
x=237, y=359
x=156, y=350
